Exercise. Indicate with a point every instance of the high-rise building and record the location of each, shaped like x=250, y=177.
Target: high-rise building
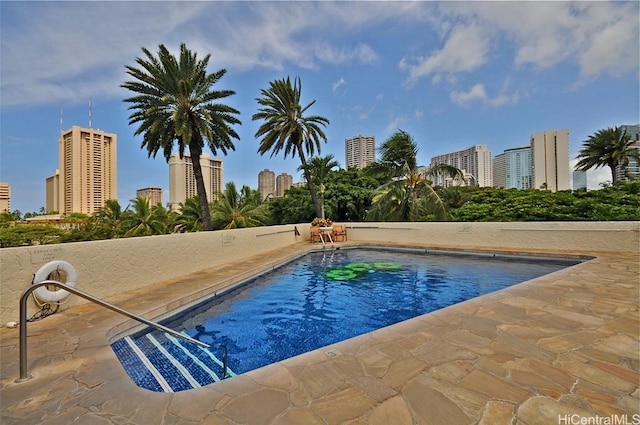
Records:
x=579, y=180
x=267, y=184
x=87, y=175
x=499, y=171
x=632, y=170
x=284, y=182
x=152, y=193
x=518, y=168
x=475, y=161
x=182, y=181
x=5, y=197
x=360, y=151
x=52, y=192
x=550, y=159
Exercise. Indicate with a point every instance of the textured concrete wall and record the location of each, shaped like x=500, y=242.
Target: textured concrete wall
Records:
x=570, y=237
x=113, y=266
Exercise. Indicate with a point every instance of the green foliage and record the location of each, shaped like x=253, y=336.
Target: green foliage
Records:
x=145, y=220
x=409, y=198
x=348, y=194
x=29, y=234
x=295, y=207
x=618, y=202
x=235, y=209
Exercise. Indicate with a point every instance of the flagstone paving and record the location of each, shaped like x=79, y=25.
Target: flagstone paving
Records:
x=566, y=345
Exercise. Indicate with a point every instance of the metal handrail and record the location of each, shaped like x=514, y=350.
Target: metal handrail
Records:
x=24, y=374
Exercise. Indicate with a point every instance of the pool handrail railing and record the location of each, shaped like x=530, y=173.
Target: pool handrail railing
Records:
x=24, y=374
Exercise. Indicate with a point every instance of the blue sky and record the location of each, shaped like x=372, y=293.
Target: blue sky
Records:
x=452, y=74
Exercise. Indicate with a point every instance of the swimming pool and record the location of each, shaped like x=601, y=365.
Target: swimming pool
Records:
x=319, y=299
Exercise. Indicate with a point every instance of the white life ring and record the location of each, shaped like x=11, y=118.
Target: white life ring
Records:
x=44, y=294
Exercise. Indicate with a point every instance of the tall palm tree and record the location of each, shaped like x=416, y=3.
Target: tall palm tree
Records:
x=238, y=210
x=611, y=147
x=319, y=168
x=286, y=128
x=175, y=103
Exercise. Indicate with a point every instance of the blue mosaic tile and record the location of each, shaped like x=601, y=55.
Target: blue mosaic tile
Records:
x=134, y=367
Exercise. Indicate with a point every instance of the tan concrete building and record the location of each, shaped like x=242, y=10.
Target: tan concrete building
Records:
x=284, y=182
x=550, y=159
x=360, y=151
x=53, y=193
x=182, y=182
x=5, y=197
x=499, y=171
x=152, y=193
x=267, y=184
x=87, y=175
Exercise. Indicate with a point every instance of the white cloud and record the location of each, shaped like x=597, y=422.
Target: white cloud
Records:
x=395, y=124
x=61, y=51
x=361, y=53
x=48, y=47
x=341, y=82
x=465, y=50
x=613, y=49
x=599, y=37
x=478, y=93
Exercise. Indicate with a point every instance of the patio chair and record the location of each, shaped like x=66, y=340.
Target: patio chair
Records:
x=315, y=234
x=339, y=233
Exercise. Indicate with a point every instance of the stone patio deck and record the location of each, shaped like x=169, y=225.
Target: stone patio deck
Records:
x=552, y=350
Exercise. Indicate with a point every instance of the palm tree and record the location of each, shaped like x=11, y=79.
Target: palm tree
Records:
x=611, y=147
x=398, y=150
x=190, y=218
x=145, y=220
x=407, y=197
x=286, y=128
x=410, y=193
x=111, y=215
x=319, y=168
x=175, y=102
x=238, y=210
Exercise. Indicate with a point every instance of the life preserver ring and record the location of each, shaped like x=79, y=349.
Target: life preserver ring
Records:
x=341, y=274
x=44, y=294
x=387, y=265
x=359, y=267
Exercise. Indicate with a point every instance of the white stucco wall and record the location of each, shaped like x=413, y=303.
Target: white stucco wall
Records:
x=113, y=266
x=570, y=237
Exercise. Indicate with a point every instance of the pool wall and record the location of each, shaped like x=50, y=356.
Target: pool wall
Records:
x=110, y=267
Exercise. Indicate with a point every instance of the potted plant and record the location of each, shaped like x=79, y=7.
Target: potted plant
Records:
x=321, y=222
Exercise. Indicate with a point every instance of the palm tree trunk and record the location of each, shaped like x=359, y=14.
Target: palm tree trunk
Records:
x=196, y=151
x=312, y=188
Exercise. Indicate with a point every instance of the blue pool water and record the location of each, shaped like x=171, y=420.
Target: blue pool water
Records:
x=320, y=299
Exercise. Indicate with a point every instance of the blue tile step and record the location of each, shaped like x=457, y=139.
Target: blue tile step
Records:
x=163, y=363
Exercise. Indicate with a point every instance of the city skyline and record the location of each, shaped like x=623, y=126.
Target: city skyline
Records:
x=451, y=74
